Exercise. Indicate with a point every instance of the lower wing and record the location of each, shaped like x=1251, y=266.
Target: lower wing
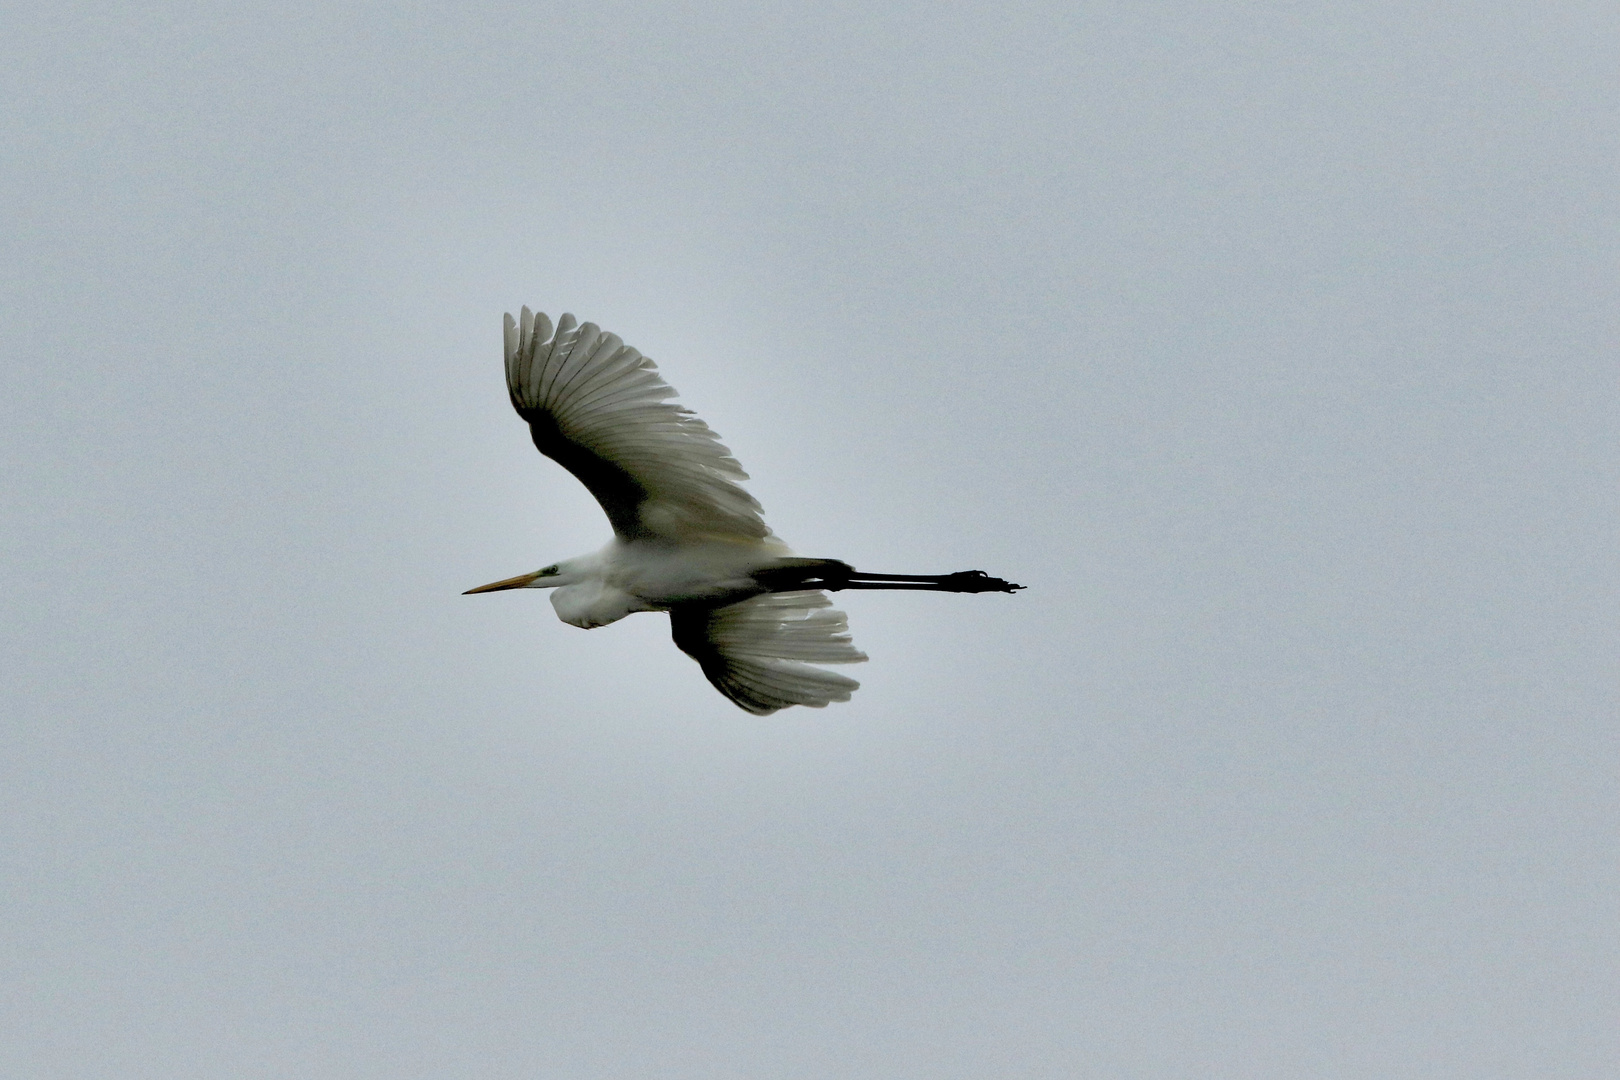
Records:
x=760, y=652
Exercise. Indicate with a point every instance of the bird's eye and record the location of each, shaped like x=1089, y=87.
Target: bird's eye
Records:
x=550, y=571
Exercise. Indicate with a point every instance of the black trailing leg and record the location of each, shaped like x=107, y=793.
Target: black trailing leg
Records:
x=832, y=575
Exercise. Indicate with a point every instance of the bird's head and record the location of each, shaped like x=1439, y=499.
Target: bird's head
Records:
x=548, y=578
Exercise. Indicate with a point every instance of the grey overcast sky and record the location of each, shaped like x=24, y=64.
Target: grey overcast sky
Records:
x=1273, y=345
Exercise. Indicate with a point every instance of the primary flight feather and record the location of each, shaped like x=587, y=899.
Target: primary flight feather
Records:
x=687, y=538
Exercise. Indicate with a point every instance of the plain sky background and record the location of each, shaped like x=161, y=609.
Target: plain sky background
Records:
x=1272, y=345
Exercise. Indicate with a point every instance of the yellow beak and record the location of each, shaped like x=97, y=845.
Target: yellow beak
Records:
x=510, y=583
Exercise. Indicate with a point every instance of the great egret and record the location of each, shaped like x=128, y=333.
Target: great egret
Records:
x=687, y=539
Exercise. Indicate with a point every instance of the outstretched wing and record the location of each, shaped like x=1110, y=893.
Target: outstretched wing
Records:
x=598, y=408
x=759, y=652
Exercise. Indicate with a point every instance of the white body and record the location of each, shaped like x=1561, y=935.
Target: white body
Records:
x=635, y=575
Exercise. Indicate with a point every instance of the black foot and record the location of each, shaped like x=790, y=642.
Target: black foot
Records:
x=976, y=581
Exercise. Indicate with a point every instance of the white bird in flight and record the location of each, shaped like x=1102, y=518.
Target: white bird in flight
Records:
x=687, y=539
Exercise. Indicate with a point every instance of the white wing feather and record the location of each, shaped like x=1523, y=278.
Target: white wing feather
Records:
x=759, y=652
x=601, y=410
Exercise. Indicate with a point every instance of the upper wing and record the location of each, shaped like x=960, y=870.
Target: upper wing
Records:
x=758, y=652
x=600, y=410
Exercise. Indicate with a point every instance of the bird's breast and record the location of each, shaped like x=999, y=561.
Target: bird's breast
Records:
x=592, y=604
